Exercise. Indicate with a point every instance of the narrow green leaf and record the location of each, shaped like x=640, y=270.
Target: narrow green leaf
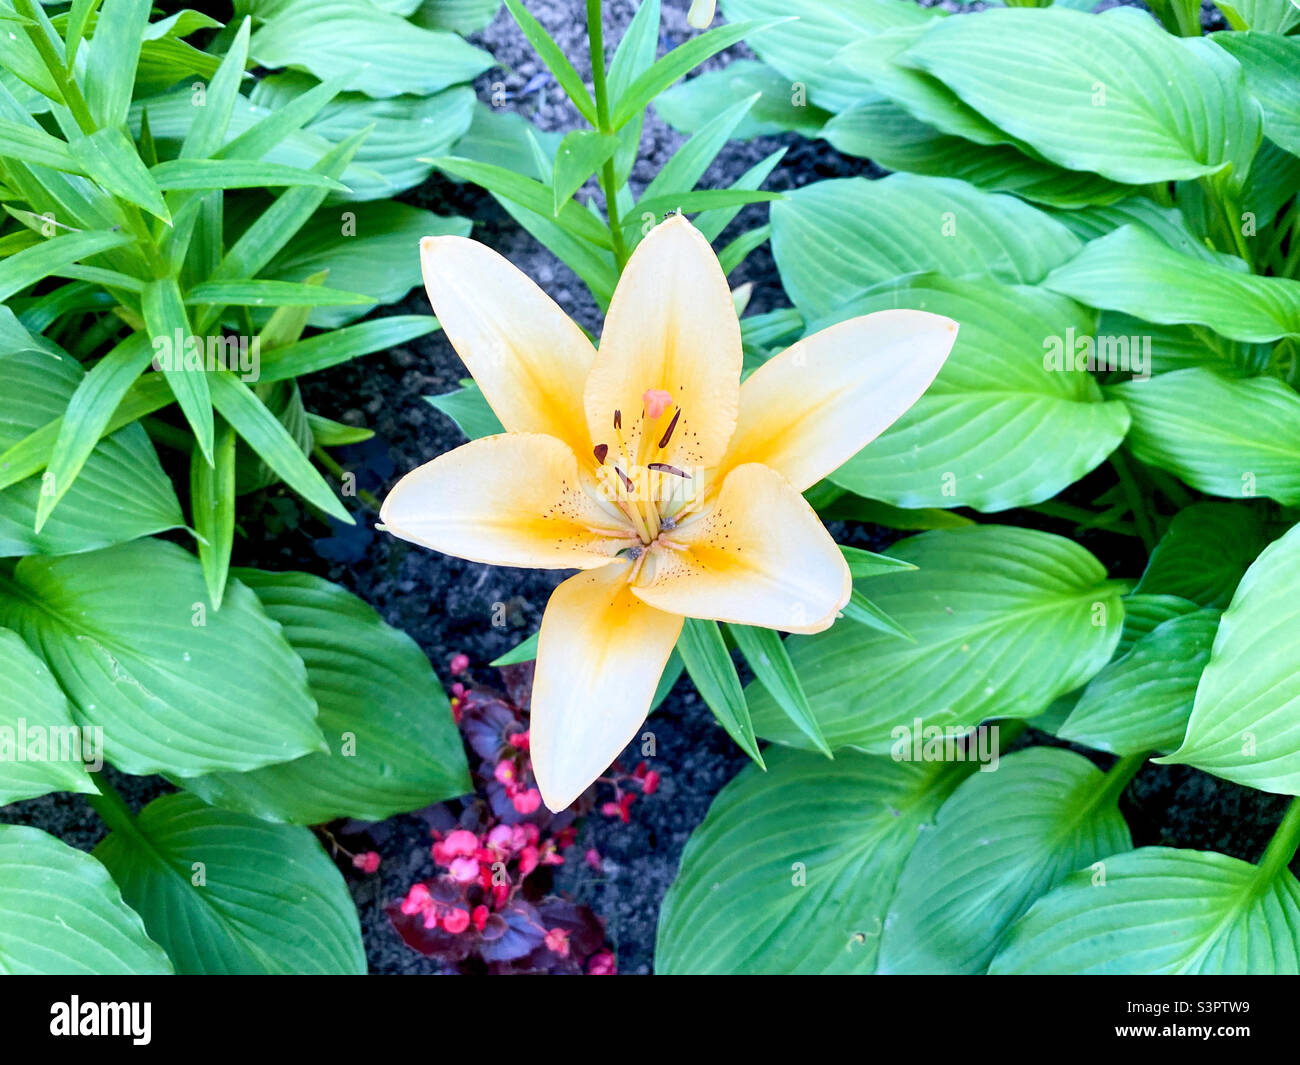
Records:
x=236, y=174
x=212, y=509
x=556, y=61
x=705, y=655
x=770, y=662
x=581, y=154
x=341, y=345
x=262, y=431
x=170, y=333
x=31, y=265
x=113, y=52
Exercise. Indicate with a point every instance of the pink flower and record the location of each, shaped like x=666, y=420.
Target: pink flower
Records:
x=417, y=900
x=479, y=917
x=459, y=663
x=505, y=772
x=527, y=802
x=593, y=859
x=455, y=920
x=463, y=870
x=367, y=862
x=650, y=784
x=518, y=740
x=502, y=839
x=557, y=941
x=602, y=964
x=528, y=859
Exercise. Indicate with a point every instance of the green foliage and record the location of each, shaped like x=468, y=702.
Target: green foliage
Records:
x=1107, y=204
x=176, y=234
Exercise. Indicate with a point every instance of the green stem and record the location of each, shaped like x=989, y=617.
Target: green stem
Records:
x=327, y=460
x=1119, y=775
x=68, y=86
x=1133, y=494
x=1082, y=517
x=600, y=89
x=1281, y=848
x=112, y=807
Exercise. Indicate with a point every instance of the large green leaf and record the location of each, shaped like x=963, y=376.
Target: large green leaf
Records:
x=393, y=745
x=1133, y=271
x=793, y=869
x=64, y=916
x=834, y=239
x=1245, y=724
x=1230, y=436
x=228, y=894
x=691, y=105
x=121, y=492
x=1005, y=620
x=389, y=55
x=1141, y=702
x=128, y=635
x=1001, y=426
x=41, y=749
x=882, y=131
x=1000, y=842
x=1205, y=552
x=349, y=244
x=1270, y=62
x=1160, y=911
x=1270, y=16
x=805, y=50
x=1115, y=93
x=406, y=130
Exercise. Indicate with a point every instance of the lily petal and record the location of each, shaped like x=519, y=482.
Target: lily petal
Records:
x=760, y=557
x=599, y=657
x=527, y=355
x=516, y=499
x=810, y=409
x=672, y=327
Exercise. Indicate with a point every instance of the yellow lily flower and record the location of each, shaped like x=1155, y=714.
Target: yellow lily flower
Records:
x=648, y=466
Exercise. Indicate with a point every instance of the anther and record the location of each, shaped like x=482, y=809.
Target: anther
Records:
x=663, y=467
x=668, y=433
x=618, y=419
x=600, y=451
x=627, y=481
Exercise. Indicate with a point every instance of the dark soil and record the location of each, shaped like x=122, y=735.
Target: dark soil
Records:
x=447, y=605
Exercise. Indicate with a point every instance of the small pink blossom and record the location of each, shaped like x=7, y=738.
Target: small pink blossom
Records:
x=367, y=862
x=459, y=663
x=463, y=870
x=602, y=964
x=455, y=920
x=557, y=941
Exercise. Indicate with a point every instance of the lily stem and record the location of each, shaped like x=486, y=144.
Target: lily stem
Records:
x=600, y=89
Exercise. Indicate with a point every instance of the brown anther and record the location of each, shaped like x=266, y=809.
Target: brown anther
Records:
x=600, y=451
x=627, y=481
x=663, y=467
x=668, y=433
x=618, y=419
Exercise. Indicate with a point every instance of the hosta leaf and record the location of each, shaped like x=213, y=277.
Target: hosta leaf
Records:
x=1116, y=94
x=1205, y=552
x=121, y=491
x=1230, y=436
x=226, y=893
x=1270, y=62
x=390, y=55
x=999, y=842
x=386, y=232
x=1245, y=724
x=834, y=239
x=34, y=709
x=1160, y=911
x=1000, y=426
x=129, y=636
x=1005, y=620
x=690, y=106
x=469, y=409
x=64, y=916
x=1270, y=16
x=886, y=134
x=1141, y=702
x=406, y=129
x=393, y=745
x=808, y=854
x=1133, y=271
x=805, y=50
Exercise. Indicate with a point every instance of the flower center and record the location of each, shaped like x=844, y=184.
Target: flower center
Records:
x=653, y=495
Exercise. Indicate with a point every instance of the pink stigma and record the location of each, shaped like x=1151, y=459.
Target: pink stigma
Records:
x=656, y=401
